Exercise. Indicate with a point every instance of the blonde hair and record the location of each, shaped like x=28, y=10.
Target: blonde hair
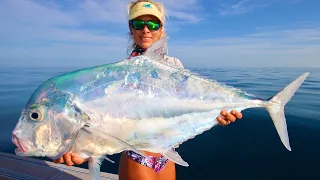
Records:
x=160, y=7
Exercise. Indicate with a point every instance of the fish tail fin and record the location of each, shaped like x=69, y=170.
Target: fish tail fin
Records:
x=275, y=107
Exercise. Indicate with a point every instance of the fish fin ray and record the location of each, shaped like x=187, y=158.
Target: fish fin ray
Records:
x=276, y=105
x=106, y=158
x=112, y=138
x=174, y=156
x=94, y=167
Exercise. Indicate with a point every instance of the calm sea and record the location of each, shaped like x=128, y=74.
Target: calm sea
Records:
x=248, y=149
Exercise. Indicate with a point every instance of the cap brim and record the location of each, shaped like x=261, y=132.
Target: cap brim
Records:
x=145, y=12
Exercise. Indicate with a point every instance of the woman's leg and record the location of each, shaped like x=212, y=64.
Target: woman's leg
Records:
x=131, y=170
x=168, y=172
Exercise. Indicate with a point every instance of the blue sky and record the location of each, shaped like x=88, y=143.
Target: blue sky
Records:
x=203, y=33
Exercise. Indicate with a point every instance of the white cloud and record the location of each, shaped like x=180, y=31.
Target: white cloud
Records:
x=32, y=14
x=31, y=23
x=106, y=11
x=244, y=6
x=292, y=48
x=35, y=30
x=294, y=37
x=27, y=19
x=185, y=16
x=59, y=35
x=181, y=4
x=181, y=9
x=236, y=7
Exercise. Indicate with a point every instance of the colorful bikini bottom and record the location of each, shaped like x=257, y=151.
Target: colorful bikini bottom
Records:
x=156, y=163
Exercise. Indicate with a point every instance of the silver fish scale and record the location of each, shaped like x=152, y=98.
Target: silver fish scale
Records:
x=154, y=108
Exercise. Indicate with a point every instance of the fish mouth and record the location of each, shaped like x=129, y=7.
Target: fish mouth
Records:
x=24, y=148
x=19, y=152
x=22, y=145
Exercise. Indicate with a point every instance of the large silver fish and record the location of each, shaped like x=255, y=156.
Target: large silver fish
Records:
x=138, y=104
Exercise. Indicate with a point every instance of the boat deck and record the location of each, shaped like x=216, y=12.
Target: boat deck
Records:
x=24, y=168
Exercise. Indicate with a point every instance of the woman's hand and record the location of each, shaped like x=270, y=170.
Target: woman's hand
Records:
x=70, y=159
x=225, y=118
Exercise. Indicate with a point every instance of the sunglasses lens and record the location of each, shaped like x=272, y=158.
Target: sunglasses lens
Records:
x=137, y=24
x=153, y=25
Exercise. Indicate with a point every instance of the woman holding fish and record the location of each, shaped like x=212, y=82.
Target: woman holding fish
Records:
x=146, y=25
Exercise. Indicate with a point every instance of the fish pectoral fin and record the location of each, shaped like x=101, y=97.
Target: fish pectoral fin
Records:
x=94, y=167
x=109, y=137
x=174, y=156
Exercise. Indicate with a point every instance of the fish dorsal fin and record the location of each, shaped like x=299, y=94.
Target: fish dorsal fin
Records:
x=158, y=49
x=174, y=157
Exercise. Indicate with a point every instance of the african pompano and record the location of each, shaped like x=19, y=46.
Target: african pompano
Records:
x=137, y=104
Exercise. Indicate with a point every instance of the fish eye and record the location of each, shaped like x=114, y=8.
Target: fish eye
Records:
x=35, y=115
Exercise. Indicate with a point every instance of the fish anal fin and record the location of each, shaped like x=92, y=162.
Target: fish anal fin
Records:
x=94, y=167
x=174, y=156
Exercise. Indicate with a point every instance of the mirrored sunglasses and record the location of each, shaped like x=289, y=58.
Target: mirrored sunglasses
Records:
x=139, y=24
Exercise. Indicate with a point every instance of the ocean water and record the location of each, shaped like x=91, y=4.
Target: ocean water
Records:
x=247, y=149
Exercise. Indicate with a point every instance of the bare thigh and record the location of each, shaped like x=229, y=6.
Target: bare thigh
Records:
x=131, y=170
x=168, y=172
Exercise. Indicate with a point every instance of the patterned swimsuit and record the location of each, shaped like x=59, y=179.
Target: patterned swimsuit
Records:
x=156, y=163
